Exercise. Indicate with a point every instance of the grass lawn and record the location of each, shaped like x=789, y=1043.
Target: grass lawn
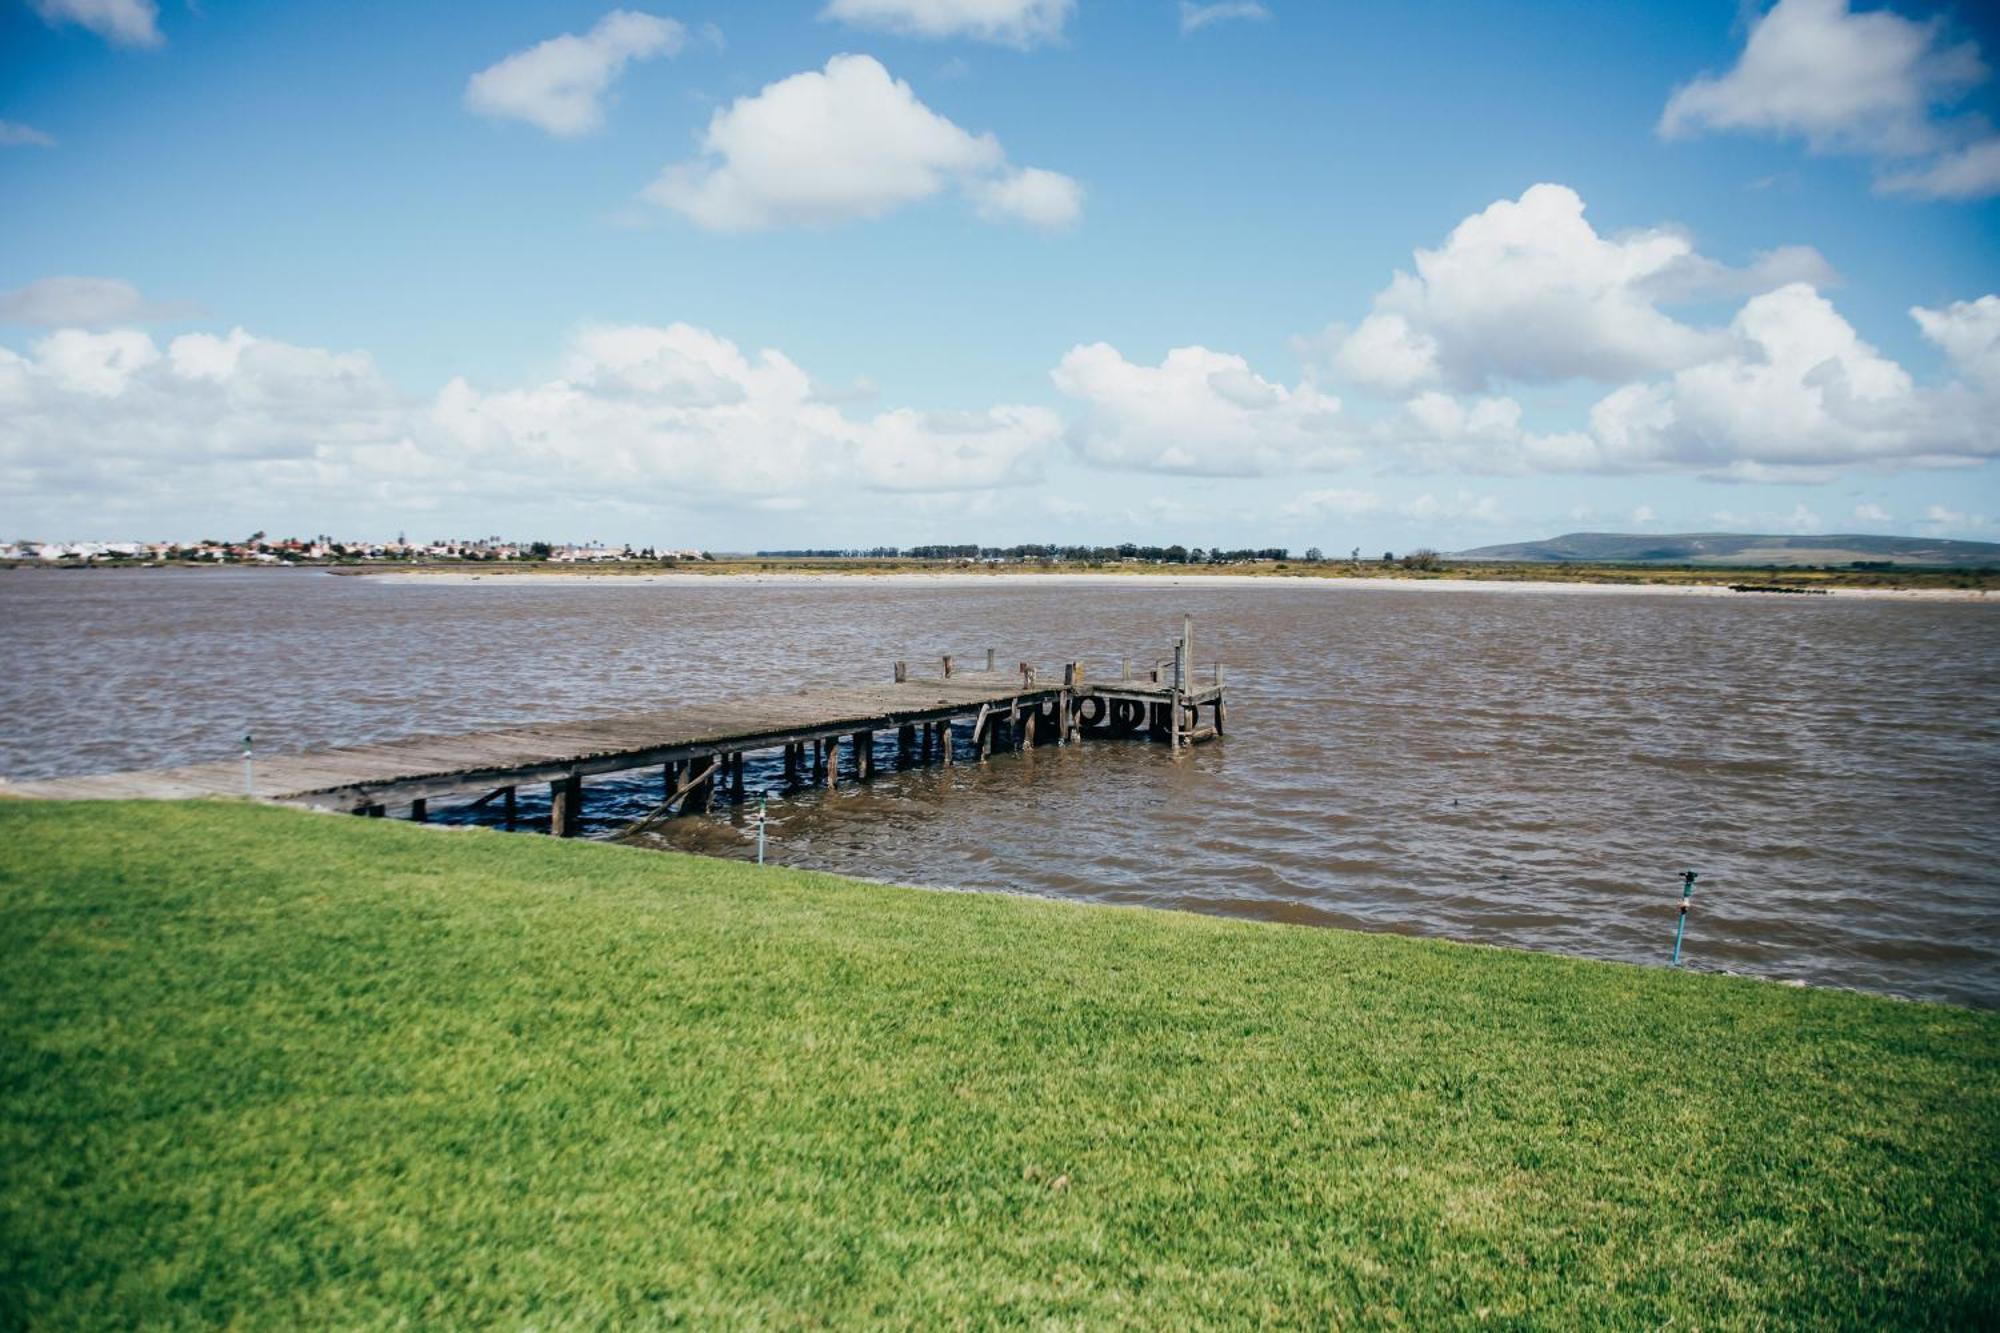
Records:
x=271, y=1069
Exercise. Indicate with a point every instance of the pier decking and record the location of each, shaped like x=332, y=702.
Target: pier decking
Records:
x=701, y=747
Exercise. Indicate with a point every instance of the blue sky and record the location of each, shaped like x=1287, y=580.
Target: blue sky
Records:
x=974, y=247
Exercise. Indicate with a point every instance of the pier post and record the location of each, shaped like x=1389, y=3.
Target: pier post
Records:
x=702, y=794
x=946, y=743
x=989, y=660
x=1027, y=741
x=929, y=730
x=508, y=808
x=736, y=775
x=1072, y=679
x=947, y=666
x=420, y=811
x=566, y=806
x=906, y=743
x=864, y=755
x=792, y=764
x=902, y=672
x=1221, y=711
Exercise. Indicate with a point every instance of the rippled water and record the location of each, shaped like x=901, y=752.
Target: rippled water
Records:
x=1521, y=768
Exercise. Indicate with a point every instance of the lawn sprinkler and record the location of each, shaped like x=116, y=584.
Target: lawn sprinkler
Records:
x=1687, y=899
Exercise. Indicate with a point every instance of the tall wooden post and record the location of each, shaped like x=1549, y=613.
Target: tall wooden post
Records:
x=792, y=764
x=906, y=743
x=507, y=807
x=1072, y=681
x=989, y=660
x=864, y=755
x=420, y=810
x=566, y=806
x=947, y=666
x=902, y=672
x=736, y=775
x=945, y=744
x=702, y=794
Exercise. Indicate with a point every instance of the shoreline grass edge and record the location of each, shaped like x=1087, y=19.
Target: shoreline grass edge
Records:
x=266, y=1067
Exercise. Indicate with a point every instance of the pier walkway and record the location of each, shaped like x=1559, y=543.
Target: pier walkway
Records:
x=700, y=748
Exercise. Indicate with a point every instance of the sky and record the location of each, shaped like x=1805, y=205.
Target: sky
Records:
x=857, y=272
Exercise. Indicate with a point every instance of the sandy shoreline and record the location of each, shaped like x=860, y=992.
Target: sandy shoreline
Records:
x=457, y=578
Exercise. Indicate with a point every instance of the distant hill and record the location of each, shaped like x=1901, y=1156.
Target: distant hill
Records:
x=1739, y=548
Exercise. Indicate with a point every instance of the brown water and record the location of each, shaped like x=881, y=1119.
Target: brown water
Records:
x=1526, y=769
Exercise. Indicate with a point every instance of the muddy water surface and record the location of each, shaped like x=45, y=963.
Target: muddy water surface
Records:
x=1527, y=768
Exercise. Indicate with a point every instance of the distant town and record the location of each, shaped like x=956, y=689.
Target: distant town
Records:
x=258, y=549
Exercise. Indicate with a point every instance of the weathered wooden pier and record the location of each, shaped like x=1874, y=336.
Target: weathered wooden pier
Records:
x=937, y=718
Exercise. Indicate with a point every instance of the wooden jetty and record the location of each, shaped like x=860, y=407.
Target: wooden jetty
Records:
x=700, y=748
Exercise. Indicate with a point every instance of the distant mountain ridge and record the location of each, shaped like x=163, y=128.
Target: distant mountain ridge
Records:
x=1740, y=548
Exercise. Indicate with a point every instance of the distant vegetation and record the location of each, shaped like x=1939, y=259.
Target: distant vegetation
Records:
x=268, y=1069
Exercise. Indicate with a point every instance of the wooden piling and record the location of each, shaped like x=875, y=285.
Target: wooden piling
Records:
x=902, y=672
x=864, y=755
x=508, y=809
x=566, y=806
x=947, y=666
x=420, y=810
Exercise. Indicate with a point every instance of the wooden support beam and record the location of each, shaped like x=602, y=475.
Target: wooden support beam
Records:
x=982, y=732
x=736, y=775
x=947, y=744
x=864, y=755
x=792, y=764
x=1028, y=735
x=906, y=743
x=566, y=806
x=698, y=793
x=420, y=811
x=508, y=809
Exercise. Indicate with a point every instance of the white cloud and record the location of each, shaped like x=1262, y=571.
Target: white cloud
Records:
x=1972, y=172
x=1872, y=513
x=559, y=85
x=14, y=134
x=120, y=22
x=88, y=302
x=1021, y=23
x=1335, y=503
x=1195, y=17
x=1527, y=289
x=843, y=143
x=1645, y=514
x=1032, y=195
x=1461, y=508
x=1198, y=411
x=1968, y=332
x=1800, y=393
x=1869, y=82
x=638, y=415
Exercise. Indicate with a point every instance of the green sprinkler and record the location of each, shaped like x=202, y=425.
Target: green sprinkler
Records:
x=1687, y=898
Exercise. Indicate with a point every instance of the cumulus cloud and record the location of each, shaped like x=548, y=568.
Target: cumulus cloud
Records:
x=1198, y=411
x=559, y=85
x=1020, y=23
x=1799, y=394
x=1872, y=513
x=1195, y=17
x=844, y=143
x=1968, y=333
x=1527, y=289
x=1862, y=82
x=88, y=302
x=120, y=22
x=1335, y=502
x=14, y=134
x=638, y=415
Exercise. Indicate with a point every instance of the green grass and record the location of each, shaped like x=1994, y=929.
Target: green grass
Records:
x=267, y=1069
